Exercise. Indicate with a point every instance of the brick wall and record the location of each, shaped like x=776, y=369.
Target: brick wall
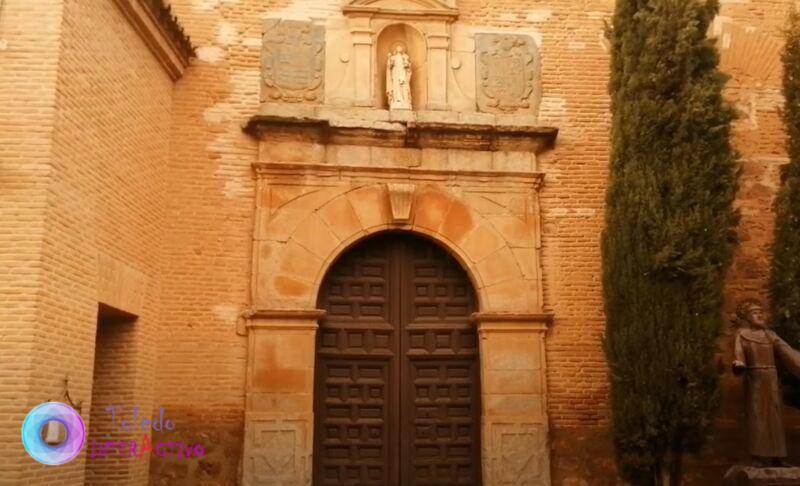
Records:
x=110, y=151
x=207, y=245
x=94, y=135
x=29, y=47
x=104, y=183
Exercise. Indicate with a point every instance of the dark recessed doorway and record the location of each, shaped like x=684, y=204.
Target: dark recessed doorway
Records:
x=397, y=399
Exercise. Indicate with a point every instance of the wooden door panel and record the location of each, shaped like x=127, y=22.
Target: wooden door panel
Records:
x=354, y=421
x=440, y=412
x=356, y=410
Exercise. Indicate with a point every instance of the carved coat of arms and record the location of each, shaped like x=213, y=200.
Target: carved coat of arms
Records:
x=293, y=61
x=508, y=73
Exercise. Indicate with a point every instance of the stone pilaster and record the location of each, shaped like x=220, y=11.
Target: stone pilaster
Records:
x=279, y=415
x=438, y=63
x=514, y=396
x=363, y=58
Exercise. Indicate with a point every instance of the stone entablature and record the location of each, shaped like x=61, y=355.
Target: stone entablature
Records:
x=381, y=128
x=323, y=185
x=417, y=10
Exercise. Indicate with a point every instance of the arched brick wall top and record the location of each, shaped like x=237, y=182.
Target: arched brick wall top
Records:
x=299, y=241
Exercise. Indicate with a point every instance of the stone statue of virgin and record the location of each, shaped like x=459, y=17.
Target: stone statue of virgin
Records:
x=398, y=79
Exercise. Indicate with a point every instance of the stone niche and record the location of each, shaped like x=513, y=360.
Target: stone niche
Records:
x=414, y=43
x=423, y=26
x=336, y=68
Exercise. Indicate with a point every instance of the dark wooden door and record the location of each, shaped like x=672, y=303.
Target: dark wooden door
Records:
x=397, y=379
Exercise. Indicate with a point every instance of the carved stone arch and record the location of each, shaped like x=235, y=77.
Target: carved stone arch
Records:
x=322, y=224
x=302, y=229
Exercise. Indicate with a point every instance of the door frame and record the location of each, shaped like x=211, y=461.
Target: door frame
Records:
x=279, y=420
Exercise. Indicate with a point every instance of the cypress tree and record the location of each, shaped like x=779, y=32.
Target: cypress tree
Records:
x=785, y=277
x=669, y=235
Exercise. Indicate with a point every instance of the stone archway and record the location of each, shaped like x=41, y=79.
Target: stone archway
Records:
x=308, y=216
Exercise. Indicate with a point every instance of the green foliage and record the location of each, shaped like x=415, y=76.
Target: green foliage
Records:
x=785, y=278
x=670, y=232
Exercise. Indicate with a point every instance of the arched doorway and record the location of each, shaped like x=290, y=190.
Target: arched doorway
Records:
x=397, y=398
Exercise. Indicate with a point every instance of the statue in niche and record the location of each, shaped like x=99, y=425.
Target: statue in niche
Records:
x=757, y=348
x=398, y=79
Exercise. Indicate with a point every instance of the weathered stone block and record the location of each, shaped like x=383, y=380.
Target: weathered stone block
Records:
x=516, y=454
x=340, y=217
x=508, y=73
x=293, y=61
x=279, y=402
x=498, y=267
x=370, y=205
x=512, y=351
x=522, y=404
x=518, y=233
x=512, y=381
x=458, y=223
x=291, y=151
x=430, y=208
x=350, y=155
x=762, y=476
x=315, y=236
x=509, y=296
x=482, y=242
x=514, y=161
x=296, y=260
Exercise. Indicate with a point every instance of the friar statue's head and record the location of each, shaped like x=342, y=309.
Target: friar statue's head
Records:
x=752, y=312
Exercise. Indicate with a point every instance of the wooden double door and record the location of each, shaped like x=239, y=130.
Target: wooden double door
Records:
x=397, y=399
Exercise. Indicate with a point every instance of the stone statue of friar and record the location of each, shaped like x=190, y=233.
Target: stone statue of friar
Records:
x=398, y=79
x=757, y=349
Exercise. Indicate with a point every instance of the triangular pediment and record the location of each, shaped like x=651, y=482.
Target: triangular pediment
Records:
x=403, y=8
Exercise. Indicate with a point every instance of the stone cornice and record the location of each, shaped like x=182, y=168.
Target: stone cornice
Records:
x=285, y=319
x=160, y=30
x=408, y=134
x=511, y=317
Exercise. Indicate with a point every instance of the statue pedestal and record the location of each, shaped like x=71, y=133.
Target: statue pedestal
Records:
x=761, y=476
